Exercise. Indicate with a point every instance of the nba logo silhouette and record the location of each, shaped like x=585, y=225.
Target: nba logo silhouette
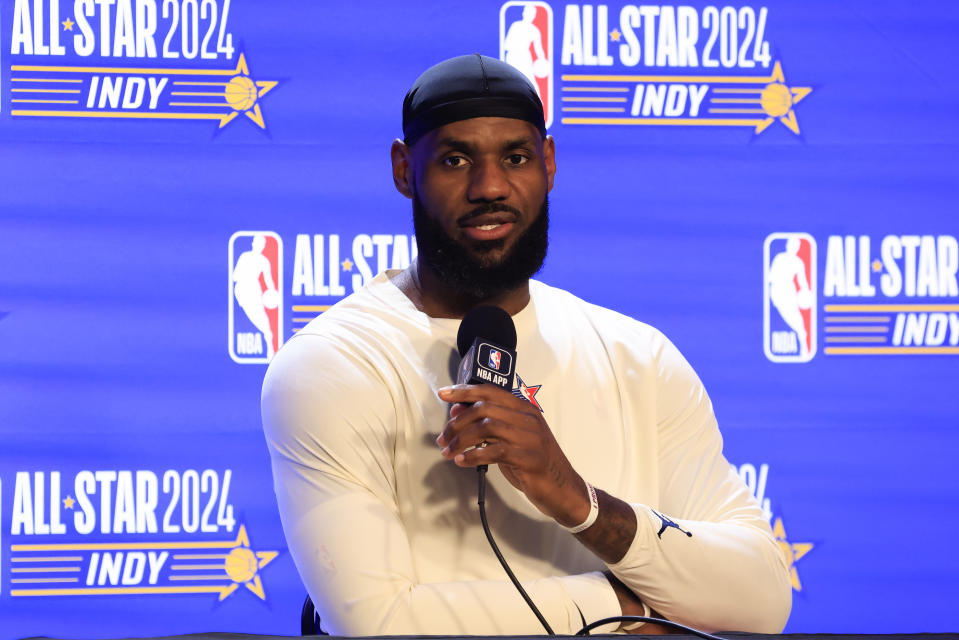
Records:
x=256, y=304
x=526, y=42
x=789, y=297
x=494, y=357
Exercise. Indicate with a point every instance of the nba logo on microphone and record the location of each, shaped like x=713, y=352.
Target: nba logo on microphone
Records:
x=526, y=42
x=789, y=297
x=494, y=358
x=255, y=281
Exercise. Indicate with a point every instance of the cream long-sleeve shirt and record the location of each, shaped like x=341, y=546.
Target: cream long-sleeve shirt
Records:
x=386, y=534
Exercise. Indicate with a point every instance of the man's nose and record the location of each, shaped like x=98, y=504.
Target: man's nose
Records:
x=488, y=182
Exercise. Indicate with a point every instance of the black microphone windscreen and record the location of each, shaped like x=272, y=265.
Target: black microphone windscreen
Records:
x=489, y=322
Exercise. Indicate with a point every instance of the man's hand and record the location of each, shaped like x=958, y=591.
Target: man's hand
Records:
x=631, y=605
x=517, y=439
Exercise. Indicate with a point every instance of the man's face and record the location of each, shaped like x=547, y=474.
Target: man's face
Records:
x=479, y=202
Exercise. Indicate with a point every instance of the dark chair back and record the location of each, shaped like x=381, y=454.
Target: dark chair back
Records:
x=310, y=620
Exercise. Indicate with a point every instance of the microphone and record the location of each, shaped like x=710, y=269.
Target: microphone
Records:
x=487, y=345
x=486, y=341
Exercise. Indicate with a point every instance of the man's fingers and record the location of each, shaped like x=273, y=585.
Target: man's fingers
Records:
x=464, y=392
x=487, y=430
x=461, y=416
x=470, y=393
x=493, y=453
x=490, y=454
x=458, y=408
x=484, y=411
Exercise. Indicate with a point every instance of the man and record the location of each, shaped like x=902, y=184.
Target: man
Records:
x=373, y=447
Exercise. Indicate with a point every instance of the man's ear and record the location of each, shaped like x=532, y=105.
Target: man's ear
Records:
x=402, y=168
x=549, y=158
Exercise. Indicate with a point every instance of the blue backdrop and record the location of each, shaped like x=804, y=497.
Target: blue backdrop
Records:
x=773, y=186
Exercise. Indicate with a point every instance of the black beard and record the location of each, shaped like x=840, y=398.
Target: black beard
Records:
x=465, y=270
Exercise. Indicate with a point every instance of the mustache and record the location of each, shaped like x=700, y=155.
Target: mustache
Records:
x=491, y=207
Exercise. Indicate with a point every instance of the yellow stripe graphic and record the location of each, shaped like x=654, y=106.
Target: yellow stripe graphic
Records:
x=578, y=99
x=706, y=79
x=891, y=307
x=120, y=114
x=850, y=351
x=736, y=101
x=45, y=90
x=718, y=122
x=136, y=70
x=45, y=570
x=736, y=110
x=311, y=307
x=594, y=109
x=610, y=89
x=115, y=591
x=45, y=80
x=859, y=319
x=45, y=101
x=120, y=546
x=44, y=580
x=731, y=90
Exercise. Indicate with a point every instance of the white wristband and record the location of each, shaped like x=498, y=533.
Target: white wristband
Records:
x=593, y=511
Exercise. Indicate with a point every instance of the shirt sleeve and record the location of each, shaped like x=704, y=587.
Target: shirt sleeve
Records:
x=329, y=423
x=707, y=558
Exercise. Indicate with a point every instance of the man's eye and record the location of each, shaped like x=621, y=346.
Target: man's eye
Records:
x=454, y=161
x=517, y=159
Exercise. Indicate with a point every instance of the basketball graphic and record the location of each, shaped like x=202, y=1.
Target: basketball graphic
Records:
x=271, y=298
x=240, y=564
x=776, y=100
x=240, y=93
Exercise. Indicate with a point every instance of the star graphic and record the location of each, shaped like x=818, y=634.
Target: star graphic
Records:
x=68, y=24
x=615, y=35
x=529, y=392
x=777, y=101
x=794, y=551
x=876, y=266
x=68, y=502
x=242, y=565
x=347, y=265
x=249, y=104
